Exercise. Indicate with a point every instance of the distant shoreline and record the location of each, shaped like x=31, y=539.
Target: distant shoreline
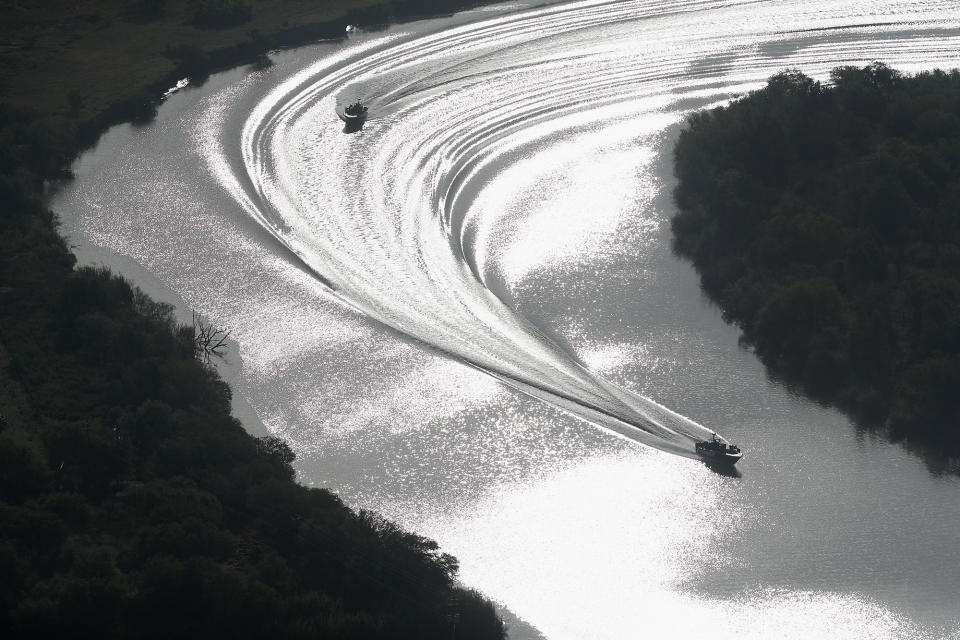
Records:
x=95, y=71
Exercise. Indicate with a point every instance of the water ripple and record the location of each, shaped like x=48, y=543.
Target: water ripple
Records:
x=382, y=216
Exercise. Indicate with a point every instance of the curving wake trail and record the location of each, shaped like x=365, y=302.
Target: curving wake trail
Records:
x=523, y=160
x=386, y=216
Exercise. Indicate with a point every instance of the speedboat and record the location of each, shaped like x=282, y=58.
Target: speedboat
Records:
x=353, y=114
x=718, y=450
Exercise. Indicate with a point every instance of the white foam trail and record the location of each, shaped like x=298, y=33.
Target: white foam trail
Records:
x=382, y=215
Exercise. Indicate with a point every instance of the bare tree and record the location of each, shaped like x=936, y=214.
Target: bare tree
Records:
x=208, y=340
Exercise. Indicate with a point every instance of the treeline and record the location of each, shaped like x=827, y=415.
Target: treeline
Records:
x=109, y=61
x=131, y=503
x=825, y=221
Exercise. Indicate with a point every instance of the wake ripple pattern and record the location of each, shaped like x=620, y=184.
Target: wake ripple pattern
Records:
x=381, y=216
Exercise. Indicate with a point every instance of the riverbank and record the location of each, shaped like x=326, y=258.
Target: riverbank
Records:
x=89, y=65
x=131, y=503
x=823, y=220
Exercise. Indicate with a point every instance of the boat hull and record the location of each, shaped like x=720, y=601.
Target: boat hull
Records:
x=715, y=457
x=352, y=123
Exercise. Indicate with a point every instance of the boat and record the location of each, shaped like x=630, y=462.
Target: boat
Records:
x=353, y=114
x=718, y=450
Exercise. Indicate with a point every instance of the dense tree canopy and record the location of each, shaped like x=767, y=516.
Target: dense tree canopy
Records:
x=825, y=220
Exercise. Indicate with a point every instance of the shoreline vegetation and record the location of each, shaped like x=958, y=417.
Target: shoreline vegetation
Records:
x=131, y=503
x=824, y=220
x=82, y=67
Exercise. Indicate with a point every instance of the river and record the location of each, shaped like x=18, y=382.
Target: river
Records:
x=467, y=315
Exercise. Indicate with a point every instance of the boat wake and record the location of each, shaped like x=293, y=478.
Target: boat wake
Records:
x=387, y=218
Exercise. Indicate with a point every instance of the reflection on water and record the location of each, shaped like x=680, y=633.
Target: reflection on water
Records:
x=506, y=204
x=594, y=538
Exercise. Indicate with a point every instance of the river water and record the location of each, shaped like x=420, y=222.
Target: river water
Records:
x=467, y=315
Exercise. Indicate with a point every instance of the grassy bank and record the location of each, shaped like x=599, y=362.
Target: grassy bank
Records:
x=80, y=59
x=825, y=221
x=131, y=503
x=86, y=65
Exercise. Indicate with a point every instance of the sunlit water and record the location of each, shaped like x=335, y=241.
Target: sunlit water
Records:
x=467, y=315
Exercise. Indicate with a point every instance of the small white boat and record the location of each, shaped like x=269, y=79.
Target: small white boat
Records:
x=353, y=114
x=717, y=450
